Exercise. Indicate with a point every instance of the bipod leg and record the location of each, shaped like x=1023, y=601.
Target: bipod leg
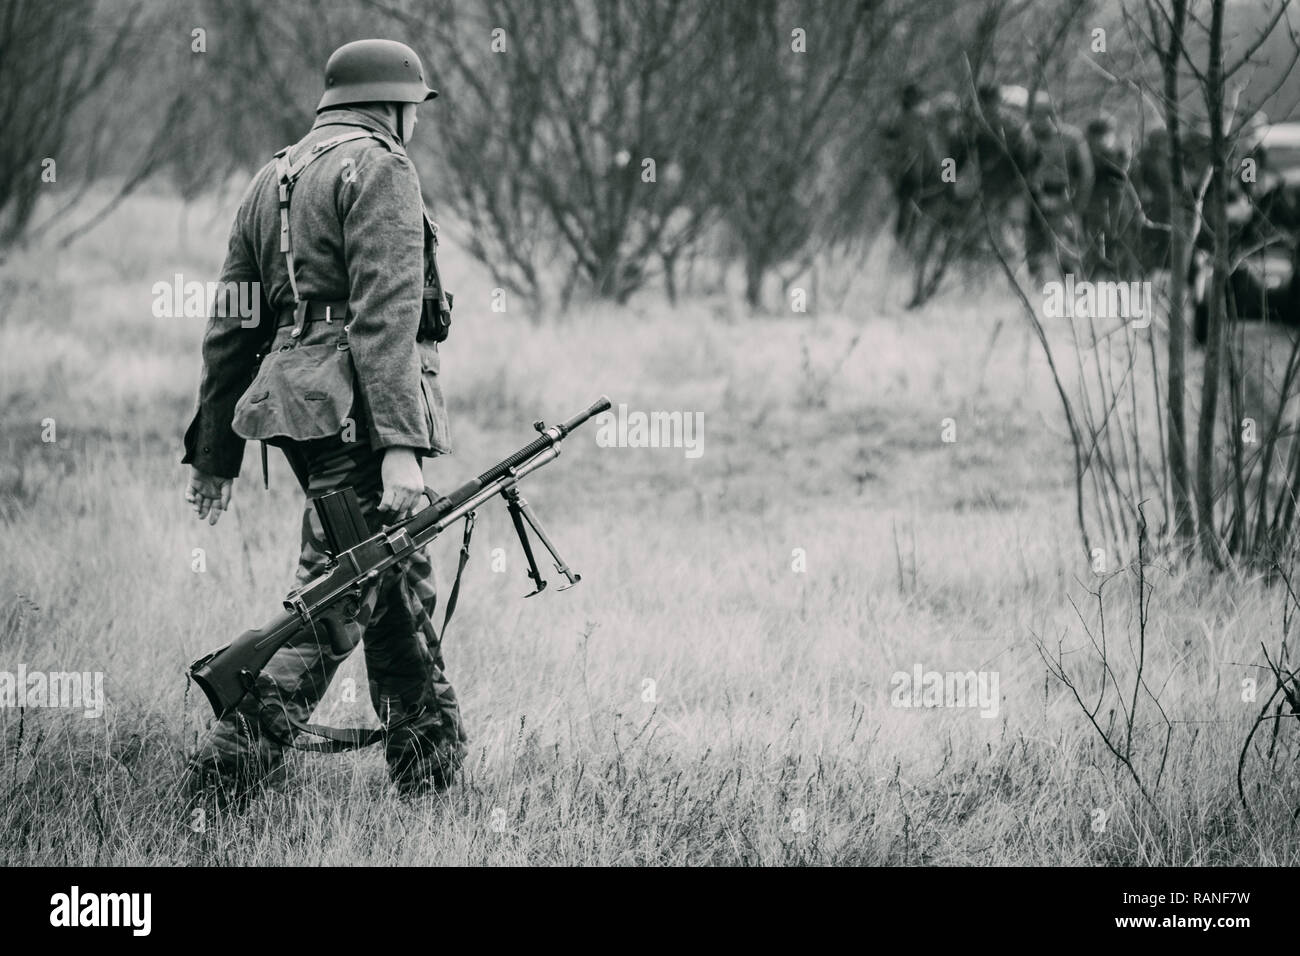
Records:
x=560, y=565
x=515, y=505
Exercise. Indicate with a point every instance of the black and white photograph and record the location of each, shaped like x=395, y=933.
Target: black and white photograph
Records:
x=652, y=434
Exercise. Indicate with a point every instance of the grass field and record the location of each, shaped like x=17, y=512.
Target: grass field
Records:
x=719, y=689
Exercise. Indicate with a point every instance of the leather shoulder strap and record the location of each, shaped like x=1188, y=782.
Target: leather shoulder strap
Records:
x=292, y=170
x=287, y=172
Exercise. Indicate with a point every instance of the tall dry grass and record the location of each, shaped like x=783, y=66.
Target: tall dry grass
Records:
x=770, y=737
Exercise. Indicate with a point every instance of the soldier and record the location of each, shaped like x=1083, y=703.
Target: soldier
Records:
x=946, y=133
x=1151, y=179
x=333, y=233
x=1006, y=154
x=1275, y=209
x=947, y=138
x=1113, y=220
x=910, y=160
x=1060, y=186
x=945, y=207
x=1100, y=134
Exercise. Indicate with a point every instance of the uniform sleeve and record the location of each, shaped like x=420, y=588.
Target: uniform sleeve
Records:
x=230, y=346
x=383, y=245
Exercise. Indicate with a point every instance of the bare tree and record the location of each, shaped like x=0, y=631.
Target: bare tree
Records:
x=1168, y=43
x=585, y=131
x=54, y=59
x=1218, y=222
x=803, y=73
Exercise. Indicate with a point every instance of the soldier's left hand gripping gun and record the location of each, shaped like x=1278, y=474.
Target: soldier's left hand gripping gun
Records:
x=358, y=559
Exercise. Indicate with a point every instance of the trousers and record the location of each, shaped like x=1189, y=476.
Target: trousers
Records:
x=425, y=735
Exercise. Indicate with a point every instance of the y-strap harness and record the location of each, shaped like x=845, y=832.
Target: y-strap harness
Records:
x=336, y=739
x=287, y=173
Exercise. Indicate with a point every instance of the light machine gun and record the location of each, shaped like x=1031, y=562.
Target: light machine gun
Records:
x=358, y=559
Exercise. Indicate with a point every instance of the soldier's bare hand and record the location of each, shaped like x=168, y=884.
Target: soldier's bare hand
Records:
x=403, y=482
x=209, y=494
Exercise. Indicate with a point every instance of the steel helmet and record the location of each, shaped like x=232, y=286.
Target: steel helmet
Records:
x=374, y=71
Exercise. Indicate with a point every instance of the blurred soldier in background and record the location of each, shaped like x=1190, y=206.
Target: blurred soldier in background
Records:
x=946, y=127
x=987, y=149
x=1113, y=219
x=1274, y=200
x=1101, y=135
x=944, y=205
x=1060, y=186
x=1006, y=154
x=1150, y=177
x=910, y=160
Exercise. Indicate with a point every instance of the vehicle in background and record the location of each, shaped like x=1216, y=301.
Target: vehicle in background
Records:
x=1264, y=220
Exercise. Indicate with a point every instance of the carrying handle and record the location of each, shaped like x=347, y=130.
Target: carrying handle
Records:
x=434, y=499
